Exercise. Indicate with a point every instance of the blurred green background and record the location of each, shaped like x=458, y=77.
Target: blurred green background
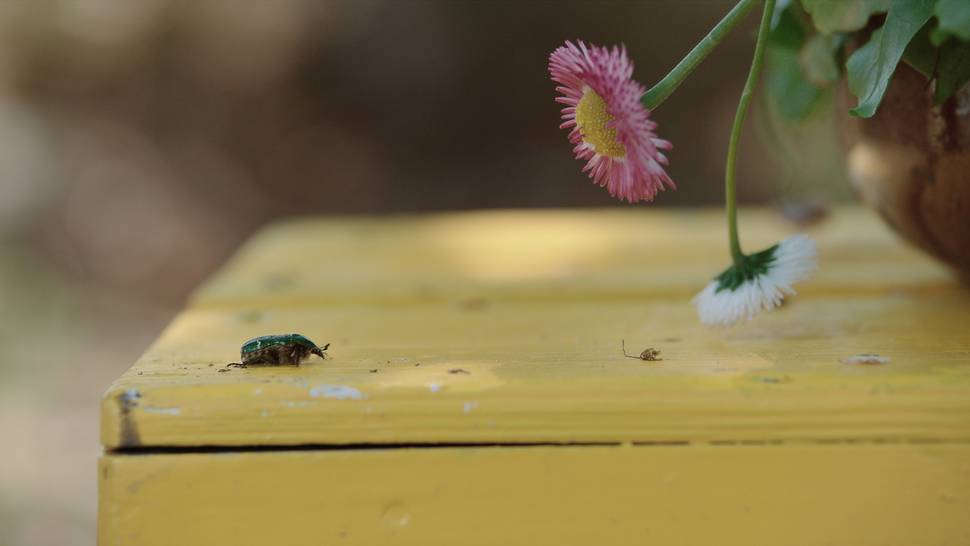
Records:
x=142, y=141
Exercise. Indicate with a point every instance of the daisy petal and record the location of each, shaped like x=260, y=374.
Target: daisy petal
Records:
x=609, y=126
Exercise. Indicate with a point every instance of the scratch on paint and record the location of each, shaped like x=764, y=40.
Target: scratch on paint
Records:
x=163, y=411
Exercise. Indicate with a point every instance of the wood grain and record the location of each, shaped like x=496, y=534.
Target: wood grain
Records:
x=505, y=327
x=840, y=494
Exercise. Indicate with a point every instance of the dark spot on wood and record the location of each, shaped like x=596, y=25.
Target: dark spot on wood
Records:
x=128, y=401
x=459, y=370
x=473, y=304
x=277, y=283
x=373, y=370
x=250, y=317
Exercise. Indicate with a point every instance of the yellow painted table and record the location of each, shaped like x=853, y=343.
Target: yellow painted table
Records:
x=476, y=392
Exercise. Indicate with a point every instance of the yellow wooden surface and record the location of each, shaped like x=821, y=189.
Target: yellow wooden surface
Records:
x=486, y=330
x=839, y=494
x=505, y=327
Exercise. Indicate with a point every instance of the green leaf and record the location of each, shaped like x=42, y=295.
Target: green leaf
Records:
x=871, y=66
x=948, y=64
x=921, y=54
x=842, y=15
x=953, y=70
x=785, y=82
x=817, y=59
x=937, y=36
x=794, y=95
x=954, y=16
x=787, y=29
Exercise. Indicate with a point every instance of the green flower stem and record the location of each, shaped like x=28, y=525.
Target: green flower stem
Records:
x=659, y=93
x=730, y=184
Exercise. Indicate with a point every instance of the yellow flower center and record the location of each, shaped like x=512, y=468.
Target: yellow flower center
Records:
x=592, y=118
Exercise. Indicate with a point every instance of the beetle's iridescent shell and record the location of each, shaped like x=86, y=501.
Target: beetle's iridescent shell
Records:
x=262, y=342
x=279, y=349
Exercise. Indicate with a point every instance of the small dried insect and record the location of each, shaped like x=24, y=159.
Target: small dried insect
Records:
x=277, y=350
x=649, y=354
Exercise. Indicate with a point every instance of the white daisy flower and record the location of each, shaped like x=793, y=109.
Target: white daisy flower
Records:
x=759, y=282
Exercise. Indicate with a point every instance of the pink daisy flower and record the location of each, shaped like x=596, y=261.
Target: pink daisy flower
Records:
x=609, y=126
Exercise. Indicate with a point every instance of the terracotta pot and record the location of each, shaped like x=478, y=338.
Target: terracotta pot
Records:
x=911, y=163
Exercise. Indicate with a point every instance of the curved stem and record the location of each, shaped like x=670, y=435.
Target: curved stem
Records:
x=659, y=93
x=730, y=184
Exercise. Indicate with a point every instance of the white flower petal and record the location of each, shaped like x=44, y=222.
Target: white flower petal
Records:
x=794, y=261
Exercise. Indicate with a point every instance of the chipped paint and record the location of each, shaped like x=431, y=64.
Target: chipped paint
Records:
x=469, y=406
x=130, y=398
x=865, y=359
x=127, y=401
x=340, y=392
x=434, y=387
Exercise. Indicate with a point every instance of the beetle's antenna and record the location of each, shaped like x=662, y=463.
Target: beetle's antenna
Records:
x=623, y=345
x=319, y=351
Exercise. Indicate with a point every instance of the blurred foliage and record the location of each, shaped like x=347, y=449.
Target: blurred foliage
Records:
x=809, y=38
x=788, y=81
x=954, y=20
x=843, y=15
x=871, y=66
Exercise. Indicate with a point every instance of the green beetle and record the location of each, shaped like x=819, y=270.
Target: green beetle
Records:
x=279, y=349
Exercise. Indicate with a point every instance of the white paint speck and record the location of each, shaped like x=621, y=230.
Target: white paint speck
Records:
x=340, y=392
x=163, y=411
x=434, y=387
x=469, y=406
x=258, y=392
